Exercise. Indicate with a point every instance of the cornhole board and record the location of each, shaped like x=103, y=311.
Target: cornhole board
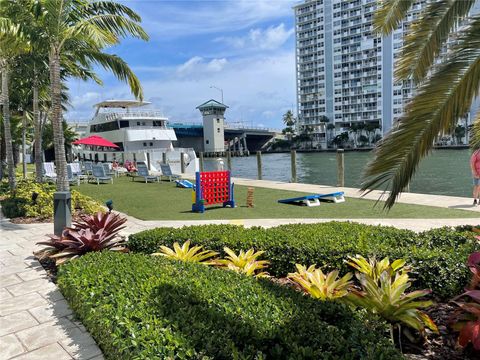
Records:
x=184, y=184
x=314, y=200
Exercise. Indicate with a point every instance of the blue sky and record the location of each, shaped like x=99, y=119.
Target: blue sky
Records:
x=245, y=47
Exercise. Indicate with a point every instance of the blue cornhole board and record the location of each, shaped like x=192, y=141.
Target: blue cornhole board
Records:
x=314, y=200
x=184, y=184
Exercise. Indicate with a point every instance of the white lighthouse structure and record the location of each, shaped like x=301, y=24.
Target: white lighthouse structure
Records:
x=213, y=126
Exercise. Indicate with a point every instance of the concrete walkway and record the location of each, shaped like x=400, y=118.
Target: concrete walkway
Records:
x=35, y=320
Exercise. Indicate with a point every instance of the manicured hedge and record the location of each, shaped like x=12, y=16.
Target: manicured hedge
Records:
x=143, y=307
x=438, y=256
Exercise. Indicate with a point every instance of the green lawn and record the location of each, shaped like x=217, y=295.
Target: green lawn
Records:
x=164, y=201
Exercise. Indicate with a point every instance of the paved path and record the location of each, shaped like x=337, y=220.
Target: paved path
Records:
x=451, y=202
x=35, y=320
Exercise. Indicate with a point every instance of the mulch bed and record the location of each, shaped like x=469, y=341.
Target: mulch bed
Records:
x=39, y=220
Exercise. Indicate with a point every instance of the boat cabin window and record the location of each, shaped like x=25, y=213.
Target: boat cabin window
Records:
x=124, y=123
x=120, y=146
x=108, y=126
x=157, y=123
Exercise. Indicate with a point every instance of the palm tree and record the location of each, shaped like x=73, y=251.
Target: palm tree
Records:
x=12, y=43
x=442, y=97
x=84, y=28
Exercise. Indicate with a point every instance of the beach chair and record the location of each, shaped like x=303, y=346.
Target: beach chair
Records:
x=49, y=173
x=142, y=172
x=72, y=177
x=77, y=171
x=87, y=167
x=167, y=172
x=98, y=174
x=314, y=200
x=108, y=169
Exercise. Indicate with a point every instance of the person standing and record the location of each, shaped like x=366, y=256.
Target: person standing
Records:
x=475, y=166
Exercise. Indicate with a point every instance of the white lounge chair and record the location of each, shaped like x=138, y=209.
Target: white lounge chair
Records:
x=77, y=171
x=49, y=173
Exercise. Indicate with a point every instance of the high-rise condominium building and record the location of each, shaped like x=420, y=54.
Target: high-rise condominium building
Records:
x=345, y=70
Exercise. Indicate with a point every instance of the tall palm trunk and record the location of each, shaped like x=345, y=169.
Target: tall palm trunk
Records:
x=24, y=144
x=57, y=121
x=38, y=131
x=6, y=123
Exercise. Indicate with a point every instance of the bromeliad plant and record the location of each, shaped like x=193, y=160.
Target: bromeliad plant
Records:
x=466, y=319
x=322, y=286
x=383, y=292
x=187, y=254
x=246, y=262
x=90, y=233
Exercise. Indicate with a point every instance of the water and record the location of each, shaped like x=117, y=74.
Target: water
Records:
x=445, y=172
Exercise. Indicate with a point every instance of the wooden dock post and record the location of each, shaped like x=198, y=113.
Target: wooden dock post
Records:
x=201, y=160
x=148, y=162
x=182, y=163
x=164, y=158
x=229, y=160
x=259, y=165
x=340, y=167
x=293, y=157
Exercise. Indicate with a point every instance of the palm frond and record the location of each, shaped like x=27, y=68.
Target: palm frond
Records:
x=475, y=133
x=390, y=14
x=118, y=25
x=442, y=99
x=119, y=68
x=428, y=35
x=109, y=7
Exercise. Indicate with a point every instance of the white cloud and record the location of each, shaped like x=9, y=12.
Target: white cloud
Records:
x=269, y=39
x=185, y=18
x=198, y=66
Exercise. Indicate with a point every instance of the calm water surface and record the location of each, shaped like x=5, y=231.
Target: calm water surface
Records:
x=445, y=172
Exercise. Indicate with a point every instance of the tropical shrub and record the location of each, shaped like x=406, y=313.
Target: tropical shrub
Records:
x=90, y=233
x=185, y=253
x=246, y=262
x=322, y=286
x=42, y=206
x=13, y=207
x=436, y=257
x=146, y=307
x=383, y=293
x=466, y=319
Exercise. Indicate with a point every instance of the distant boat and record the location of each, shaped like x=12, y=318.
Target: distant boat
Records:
x=142, y=135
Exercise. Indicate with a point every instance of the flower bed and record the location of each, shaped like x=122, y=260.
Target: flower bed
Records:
x=437, y=256
x=138, y=306
x=22, y=204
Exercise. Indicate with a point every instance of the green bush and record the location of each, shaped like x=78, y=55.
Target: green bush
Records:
x=13, y=207
x=438, y=256
x=142, y=307
x=43, y=205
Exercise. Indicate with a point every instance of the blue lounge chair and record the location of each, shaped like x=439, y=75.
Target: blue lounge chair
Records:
x=142, y=171
x=98, y=174
x=87, y=167
x=167, y=172
x=49, y=173
x=72, y=177
x=314, y=200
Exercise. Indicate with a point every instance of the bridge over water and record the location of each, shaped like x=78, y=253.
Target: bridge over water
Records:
x=236, y=136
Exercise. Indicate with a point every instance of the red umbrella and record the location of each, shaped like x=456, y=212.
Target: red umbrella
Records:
x=95, y=140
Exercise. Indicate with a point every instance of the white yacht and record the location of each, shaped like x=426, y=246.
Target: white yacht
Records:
x=141, y=134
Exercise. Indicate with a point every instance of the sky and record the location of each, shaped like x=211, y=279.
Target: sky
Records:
x=245, y=47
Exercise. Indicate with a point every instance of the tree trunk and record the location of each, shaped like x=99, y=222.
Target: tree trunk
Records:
x=24, y=144
x=6, y=123
x=57, y=121
x=38, y=132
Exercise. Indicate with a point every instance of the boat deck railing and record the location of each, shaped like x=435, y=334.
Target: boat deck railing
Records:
x=145, y=114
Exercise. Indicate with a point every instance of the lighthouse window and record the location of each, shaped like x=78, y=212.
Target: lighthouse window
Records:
x=218, y=121
x=218, y=130
x=207, y=142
